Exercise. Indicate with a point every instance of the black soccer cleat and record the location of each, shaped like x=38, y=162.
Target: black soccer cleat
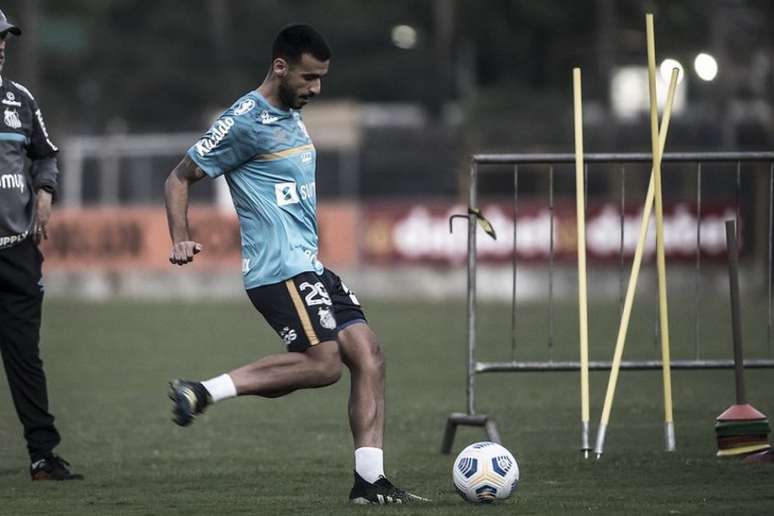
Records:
x=188, y=399
x=52, y=467
x=380, y=492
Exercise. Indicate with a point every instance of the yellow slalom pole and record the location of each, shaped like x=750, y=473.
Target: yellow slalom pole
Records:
x=663, y=312
x=580, y=216
x=634, y=274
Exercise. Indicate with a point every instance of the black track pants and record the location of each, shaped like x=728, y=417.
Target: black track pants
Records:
x=21, y=298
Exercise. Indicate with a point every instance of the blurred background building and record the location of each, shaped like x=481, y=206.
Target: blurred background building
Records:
x=415, y=87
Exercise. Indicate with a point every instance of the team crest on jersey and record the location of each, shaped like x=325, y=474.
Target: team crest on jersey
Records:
x=10, y=99
x=326, y=318
x=11, y=118
x=245, y=106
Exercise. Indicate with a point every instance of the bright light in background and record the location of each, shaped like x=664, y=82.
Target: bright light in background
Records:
x=706, y=67
x=404, y=36
x=667, y=65
x=630, y=95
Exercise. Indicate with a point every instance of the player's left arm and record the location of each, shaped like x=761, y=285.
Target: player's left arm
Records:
x=44, y=171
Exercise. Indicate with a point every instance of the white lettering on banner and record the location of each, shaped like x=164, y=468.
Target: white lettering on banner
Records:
x=214, y=136
x=423, y=234
x=679, y=232
x=8, y=181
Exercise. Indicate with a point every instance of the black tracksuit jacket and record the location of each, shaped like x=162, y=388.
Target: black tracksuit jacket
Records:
x=23, y=136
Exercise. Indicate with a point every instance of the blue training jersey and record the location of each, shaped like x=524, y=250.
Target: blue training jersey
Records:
x=268, y=160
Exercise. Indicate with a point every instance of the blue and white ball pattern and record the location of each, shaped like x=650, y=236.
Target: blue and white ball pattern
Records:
x=484, y=472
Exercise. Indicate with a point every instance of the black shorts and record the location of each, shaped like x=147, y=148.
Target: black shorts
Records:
x=307, y=309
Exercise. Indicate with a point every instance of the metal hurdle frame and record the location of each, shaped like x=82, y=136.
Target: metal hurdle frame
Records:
x=474, y=367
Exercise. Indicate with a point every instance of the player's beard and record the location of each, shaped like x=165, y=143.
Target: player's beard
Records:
x=288, y=96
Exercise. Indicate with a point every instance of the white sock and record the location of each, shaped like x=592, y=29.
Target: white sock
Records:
x=220, y=388
x=369, y=463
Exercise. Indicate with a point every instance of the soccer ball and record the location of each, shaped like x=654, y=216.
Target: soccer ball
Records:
x=484, y=472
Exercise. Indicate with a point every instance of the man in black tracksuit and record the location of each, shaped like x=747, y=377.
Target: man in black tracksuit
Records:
x=25, y=207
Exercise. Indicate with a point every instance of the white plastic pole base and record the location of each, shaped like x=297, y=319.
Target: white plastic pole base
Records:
x=585, y=448
x=600, y=440
x=669, y=436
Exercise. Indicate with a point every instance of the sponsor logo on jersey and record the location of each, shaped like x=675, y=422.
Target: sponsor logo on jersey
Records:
x=326, y=318
x=308, y=190
x=267, y=118
x=10, y=99
x=245, y=106
x=11, y=118
x=306, y=157
x=291, y=193
x=286, y=193
x=288, y=335
x=8, y=181
x=214, y=136
x=10, y=240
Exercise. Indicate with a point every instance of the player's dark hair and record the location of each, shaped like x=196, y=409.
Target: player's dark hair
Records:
x=295, y=40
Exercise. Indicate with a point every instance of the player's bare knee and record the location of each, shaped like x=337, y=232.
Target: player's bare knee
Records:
x=375, y=359
x=369, y=358
x=370, y=355
x=328, y=365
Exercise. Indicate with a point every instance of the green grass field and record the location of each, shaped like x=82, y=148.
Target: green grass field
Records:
x=108, y=365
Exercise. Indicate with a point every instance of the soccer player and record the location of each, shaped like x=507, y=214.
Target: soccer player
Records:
x=262, y=148
x=25, y=208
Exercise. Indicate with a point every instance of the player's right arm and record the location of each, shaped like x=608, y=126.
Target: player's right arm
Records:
x=229, y=143
x=176, y=197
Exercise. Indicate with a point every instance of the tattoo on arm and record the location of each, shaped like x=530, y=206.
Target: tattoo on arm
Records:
x=176, y=197
x=188, y=171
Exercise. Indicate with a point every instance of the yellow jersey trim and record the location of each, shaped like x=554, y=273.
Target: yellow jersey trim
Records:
x=272, y=156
